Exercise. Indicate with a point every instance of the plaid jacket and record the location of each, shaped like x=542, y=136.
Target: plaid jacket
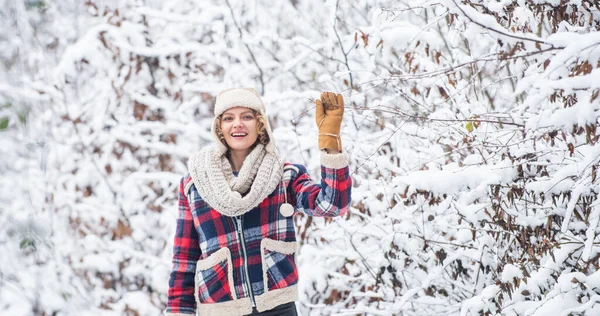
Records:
x=213, y=254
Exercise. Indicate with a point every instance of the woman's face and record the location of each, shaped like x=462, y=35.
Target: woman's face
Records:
x=238, y=126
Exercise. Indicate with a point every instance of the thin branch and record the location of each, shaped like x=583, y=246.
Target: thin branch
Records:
x=102, y=174
x=317, y=51
x=500, y=32
x=444, y=242
x=341, y=44
x=260, y=71
x=377, y=149
x=399, y=112
x=410, y=8
x=490, y=57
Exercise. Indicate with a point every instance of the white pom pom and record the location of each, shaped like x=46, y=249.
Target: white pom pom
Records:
x=286, y=209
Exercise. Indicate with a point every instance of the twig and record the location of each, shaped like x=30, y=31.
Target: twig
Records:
x=500, y=32
x=341, y=44
x=399, y=112
x=490, y=57
x=93, y=160
x=260, y=71
x=409, y=8
x=377, y=149
x=363, y=259
x=444, y=243
x=317, y=51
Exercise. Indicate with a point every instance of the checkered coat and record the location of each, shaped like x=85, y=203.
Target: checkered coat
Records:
x=209, y=266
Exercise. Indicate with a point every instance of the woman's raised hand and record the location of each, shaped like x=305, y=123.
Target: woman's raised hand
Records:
x=330, y=110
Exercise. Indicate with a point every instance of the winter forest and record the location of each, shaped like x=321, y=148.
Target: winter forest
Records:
x=472, y=129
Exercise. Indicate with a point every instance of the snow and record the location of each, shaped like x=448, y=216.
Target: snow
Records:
x=454, y=179
x=502, y=218
x=510, y=273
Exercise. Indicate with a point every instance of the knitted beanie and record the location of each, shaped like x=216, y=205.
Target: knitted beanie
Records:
x=248, y=98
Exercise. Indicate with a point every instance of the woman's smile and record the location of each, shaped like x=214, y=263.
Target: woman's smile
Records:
x=239, y=135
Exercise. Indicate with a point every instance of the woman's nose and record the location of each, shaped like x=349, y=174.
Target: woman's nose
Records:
x=237, y=122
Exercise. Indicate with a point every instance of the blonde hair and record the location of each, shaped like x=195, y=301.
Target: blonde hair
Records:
x=261, y=128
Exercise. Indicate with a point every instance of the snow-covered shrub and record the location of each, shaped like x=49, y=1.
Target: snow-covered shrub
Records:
x=472, y=128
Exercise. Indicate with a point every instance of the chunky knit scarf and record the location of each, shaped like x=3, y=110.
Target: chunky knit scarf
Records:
x=213, y=177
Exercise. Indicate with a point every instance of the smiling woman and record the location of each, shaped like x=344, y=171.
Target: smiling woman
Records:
x=239, y=129
x=235, y=242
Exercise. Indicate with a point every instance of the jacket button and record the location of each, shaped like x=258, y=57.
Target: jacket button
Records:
x=286, y=209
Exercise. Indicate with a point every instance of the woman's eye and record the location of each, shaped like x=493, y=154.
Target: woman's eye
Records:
x=248, y=117
x=227, y=119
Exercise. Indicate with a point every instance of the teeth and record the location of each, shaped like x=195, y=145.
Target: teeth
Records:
x=238, y=134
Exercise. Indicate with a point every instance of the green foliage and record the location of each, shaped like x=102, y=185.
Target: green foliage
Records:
x=35, y=4
x=4, y=123
x=469, y=126
x=22, y=115
x=27, y=244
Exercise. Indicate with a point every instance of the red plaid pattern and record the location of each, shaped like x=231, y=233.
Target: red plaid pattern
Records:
x=281, y=270
x=202, y=231
x=213, y=286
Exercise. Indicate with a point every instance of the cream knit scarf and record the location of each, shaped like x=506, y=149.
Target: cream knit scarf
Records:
x=213, y=177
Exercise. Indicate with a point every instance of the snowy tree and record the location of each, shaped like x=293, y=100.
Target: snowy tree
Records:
x=472, y=129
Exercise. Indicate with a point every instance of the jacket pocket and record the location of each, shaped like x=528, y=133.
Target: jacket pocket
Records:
x=278, y=263
x=214, y=278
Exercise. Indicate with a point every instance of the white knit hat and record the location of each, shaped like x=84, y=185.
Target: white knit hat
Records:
x=246, y=97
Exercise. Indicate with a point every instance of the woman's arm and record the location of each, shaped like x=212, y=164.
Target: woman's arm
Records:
x=329, y=198
x=186, y=252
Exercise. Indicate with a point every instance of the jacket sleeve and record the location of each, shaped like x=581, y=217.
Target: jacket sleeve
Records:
x=186, y=252
x=329, y=198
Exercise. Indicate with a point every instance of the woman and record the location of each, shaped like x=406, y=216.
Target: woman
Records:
x=235, y=242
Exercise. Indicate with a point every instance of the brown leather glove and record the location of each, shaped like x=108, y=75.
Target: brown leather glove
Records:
x=330, y=109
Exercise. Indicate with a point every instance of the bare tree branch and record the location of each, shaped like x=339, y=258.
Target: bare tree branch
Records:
x=342, y=45
x=491, y=57
x=500, y=32
x=260, y=71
